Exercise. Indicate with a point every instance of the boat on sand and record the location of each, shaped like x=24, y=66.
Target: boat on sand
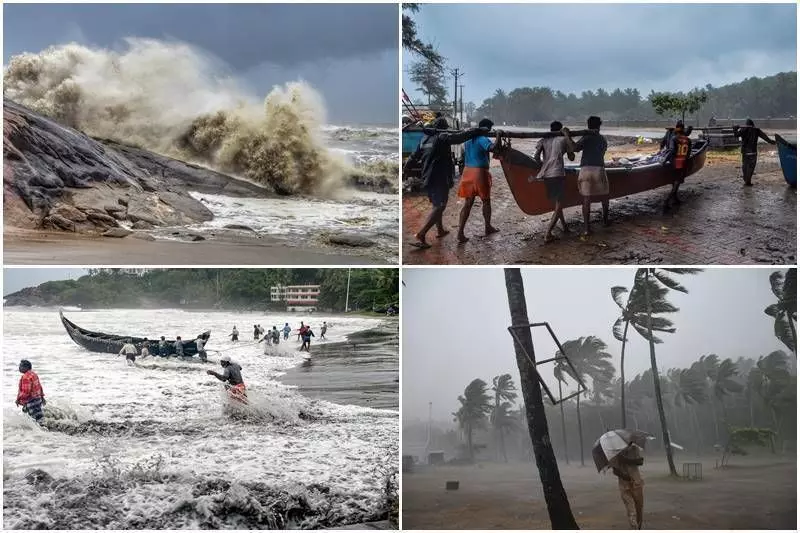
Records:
x=625, y=177
x=787, y=153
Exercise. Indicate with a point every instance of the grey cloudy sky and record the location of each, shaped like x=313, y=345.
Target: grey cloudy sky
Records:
x=576, y=47
x=15, y=279
x=455, y=320
x=348, y=52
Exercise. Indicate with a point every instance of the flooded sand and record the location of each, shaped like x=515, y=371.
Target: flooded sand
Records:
x=750, y=494
x=719, y=222
x=363, y=370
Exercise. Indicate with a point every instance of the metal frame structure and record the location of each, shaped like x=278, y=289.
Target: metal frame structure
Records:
x=531, y=357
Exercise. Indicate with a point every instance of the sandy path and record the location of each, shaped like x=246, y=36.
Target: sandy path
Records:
x=53, y=248
x=747, y=495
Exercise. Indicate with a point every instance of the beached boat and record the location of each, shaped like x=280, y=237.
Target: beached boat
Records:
x=626, y=179
x=787, y=152
x=106, y=343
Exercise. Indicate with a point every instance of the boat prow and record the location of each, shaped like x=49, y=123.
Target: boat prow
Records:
x=530, y=193
x=107, y=343
x=787, y=153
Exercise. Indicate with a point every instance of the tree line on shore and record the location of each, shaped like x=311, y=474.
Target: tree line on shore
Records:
x=211, y=288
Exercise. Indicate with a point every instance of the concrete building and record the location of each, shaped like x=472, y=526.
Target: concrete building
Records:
x=297, y=297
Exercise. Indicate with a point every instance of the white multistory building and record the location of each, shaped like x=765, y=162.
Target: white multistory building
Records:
x=296, y=297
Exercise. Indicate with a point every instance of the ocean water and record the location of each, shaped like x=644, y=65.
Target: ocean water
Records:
x=158, y=445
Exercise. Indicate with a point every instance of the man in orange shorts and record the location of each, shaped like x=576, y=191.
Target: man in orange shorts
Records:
x=476, y=181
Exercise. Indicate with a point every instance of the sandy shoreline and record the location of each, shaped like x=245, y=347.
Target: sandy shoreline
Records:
x=24, y=247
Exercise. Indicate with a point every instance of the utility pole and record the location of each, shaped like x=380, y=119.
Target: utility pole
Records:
x=347, y=294
x=456, y=75
x=461, y=106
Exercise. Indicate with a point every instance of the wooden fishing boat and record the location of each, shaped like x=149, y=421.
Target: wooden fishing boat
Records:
x=106, y=343
x=531, y=196
x=787, y=153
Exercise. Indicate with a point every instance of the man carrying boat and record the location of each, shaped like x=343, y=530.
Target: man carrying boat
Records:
x=232, y=378
x=130, y=352
x=749, y=136
x=200, y=344
x=163, y=351
x=307, y=334
x=476, y=180
x=438, y=171
x=178, y=347
x=677, y=156
x=30, y=395
x=553, y=173
x=592, y=179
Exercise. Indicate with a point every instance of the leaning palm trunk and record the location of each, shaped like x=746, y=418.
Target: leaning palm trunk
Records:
x=554, y=494
x=656, y=382
x=580, y=429
x=563, y=424
x=622, y=372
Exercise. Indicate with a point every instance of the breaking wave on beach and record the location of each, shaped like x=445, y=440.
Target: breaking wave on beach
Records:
x=158, y=446
x=174, y=99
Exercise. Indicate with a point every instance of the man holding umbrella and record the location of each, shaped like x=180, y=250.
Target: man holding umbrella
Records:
x=621, y=451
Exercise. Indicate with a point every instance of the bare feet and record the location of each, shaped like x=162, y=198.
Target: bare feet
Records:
x=462, y=238
x=442, y=233
x=550, y=238
x=491, y=229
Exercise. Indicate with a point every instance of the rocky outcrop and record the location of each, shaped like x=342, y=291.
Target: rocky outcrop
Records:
x=58, y=178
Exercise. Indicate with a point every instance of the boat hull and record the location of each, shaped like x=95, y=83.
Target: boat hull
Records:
x=787, y=153
x=105, y=343
x=531, y=196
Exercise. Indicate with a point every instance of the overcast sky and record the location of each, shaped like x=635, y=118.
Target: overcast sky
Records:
x=455, y=320
x=576, y=47
x=15, y=279
x=349, y=52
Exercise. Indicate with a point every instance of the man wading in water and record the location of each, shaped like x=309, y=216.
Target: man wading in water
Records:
x=130, y=352
x=438, y=172
x=232, y=377
x=30, y=396
x=749, y=136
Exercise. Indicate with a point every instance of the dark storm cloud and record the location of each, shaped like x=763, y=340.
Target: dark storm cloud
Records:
x=347, y=51
x=574, y=47
x=243, y=35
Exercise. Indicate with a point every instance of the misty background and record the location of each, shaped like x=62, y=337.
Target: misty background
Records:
x=348, y=52
x=455, y=325
x=577, y=47
x=15, y=279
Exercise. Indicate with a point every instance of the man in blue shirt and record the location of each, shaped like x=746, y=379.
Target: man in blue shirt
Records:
x=476, y=180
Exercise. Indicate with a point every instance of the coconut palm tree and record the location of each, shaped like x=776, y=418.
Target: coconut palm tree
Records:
x=558, y=373
x=634, y=312
x=651, y=281
x=590, y=360
x=475, y=405
x=688, y=389
x=784, y=287
x=774, y=384
x=502, y=418
x=555, y=496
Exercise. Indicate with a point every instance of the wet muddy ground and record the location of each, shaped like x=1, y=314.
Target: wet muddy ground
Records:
x=719, y=222
x=746, y=495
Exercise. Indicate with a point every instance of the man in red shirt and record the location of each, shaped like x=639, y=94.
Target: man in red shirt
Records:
x=679, y=150
x=30, y=395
